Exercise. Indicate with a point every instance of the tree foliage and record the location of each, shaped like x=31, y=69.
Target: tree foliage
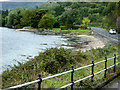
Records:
x=47, y=21
x=86, y=21
x=66, y=13
x=118, y=24
x=4, y=17
x=112, y=12
x=14, y=17
x=68, y=17
x=32, y=17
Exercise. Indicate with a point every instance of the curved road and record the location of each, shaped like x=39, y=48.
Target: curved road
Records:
x=103, y=32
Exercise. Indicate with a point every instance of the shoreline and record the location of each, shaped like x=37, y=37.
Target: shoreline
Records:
x=28, y=30
x=39, y=64
x=81, y=42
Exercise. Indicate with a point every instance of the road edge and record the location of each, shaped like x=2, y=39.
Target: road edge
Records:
x=105, y=82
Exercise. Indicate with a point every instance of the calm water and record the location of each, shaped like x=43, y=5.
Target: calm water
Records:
x=18, y=45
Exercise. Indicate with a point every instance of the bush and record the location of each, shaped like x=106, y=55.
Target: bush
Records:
x=17, y=26
x=83, y=27
x=95, y=24
x=75, y=27
x=63, y=27
x=69, y=27
x=59, y=59
x=28, y=27
x=79, y=33
x=56, y=25
x=53, y=61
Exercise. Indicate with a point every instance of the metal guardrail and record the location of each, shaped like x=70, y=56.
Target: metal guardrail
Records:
x=39, y=80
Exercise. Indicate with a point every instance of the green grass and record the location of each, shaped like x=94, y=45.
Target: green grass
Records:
x=83, y=30
x=54, y=61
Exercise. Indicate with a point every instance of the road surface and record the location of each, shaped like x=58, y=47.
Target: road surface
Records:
x=104, y=32
x=113, y=85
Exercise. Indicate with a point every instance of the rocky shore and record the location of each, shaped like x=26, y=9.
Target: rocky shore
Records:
x=84, y=42
x=51, y=32
x=79, y=42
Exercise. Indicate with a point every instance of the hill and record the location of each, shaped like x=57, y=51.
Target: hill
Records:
x=13, y=5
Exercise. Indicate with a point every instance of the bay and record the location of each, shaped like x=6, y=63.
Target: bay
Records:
x=20, y=46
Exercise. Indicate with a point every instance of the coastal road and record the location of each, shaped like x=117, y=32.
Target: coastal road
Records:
x=104, y=32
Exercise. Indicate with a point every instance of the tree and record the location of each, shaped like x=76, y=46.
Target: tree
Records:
x=59, y=10
x=4, y=21
x=14, y=17
x=118, y=24
x=68, y=17
x=36, y=16
x=112, y=12
x=86, y=21
x=4, y=17
x=47, y=21
x=25, y=20
x=32, y=17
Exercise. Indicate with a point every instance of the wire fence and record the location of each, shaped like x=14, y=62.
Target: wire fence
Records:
x=40, y=80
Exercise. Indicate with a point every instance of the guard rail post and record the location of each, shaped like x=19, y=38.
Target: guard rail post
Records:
x=114, y=63
x=39, y=83
x=105, y=67
x=81, y=83
x=92, y=71
x=72, y=77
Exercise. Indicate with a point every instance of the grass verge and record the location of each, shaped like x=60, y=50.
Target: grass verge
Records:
x=83, y=30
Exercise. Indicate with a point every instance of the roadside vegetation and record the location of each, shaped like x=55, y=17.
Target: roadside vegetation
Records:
x=79, y=29
x=53, y=61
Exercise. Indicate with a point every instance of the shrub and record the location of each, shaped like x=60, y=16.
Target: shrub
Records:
x=52, y=61
x=83, y=27
x=28, y=27
x=75, y=27
x=79, y=33
x=56, y=59
x=95, y=24
x=17, y=26
x=63, y=27
x=86, y=21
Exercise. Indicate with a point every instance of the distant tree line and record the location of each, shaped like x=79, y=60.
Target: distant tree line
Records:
x=68, y=14
x=4, y=17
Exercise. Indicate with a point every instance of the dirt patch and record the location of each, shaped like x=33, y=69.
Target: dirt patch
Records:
x=92, y=43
